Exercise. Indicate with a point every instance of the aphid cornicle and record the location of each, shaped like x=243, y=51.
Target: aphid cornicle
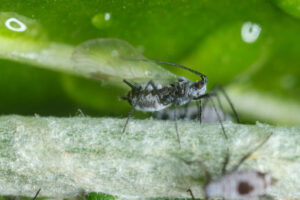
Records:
x=237, y=184
x=153, y=88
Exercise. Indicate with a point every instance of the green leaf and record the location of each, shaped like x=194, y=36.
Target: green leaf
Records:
x=252, y=41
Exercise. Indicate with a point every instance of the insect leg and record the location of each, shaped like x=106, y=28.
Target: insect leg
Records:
x=186, y=109
x=129, y=116
x=220, y=88
x=134, y=104
x=176, y=127
x=213, y=93
x=37, y=193
x=199, y=107
x=252, y=151
x=191, y=193
x=208, y=96
x=203, y=167
x=226, y=161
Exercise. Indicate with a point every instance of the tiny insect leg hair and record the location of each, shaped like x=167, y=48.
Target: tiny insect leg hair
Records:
x=209, y=97
x=251, y=152
x=37, y=193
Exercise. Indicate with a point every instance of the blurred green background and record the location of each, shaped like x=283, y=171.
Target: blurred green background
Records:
x=250, y=46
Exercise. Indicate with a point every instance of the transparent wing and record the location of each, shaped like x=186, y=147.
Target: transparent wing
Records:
x=115, y=60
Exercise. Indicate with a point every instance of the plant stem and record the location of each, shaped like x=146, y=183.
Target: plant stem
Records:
x=64, y=156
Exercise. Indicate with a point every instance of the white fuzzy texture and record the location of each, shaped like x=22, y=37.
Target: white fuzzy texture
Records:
x=64, y=156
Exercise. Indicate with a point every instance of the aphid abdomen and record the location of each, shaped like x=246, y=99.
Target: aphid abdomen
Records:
x=240, y=185
x=148, y=102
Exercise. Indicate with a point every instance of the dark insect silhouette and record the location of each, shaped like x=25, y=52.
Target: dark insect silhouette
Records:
x=152, y=96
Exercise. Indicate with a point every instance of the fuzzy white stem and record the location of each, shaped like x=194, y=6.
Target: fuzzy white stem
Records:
x=65, y=155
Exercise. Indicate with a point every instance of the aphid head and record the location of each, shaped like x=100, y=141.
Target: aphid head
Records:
x=197, y=89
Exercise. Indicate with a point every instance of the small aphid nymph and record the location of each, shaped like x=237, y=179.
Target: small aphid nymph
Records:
x=243, y=185
x=239, y=185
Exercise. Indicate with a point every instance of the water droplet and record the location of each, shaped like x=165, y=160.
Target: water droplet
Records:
x=250, y=32
x=20, y=33
x=107, y=16
x=15, y=25
x=102, y=21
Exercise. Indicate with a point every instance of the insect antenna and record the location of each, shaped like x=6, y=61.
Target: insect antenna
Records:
x=37, y=193
x=204, y=78
x=251, y=152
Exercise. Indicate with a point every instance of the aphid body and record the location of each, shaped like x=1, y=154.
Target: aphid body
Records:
x=152, y=87
x=153, y=97
x=237, y=184
x=243, y=185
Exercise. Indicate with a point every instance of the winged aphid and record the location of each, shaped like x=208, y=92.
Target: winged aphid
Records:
x=153, y=88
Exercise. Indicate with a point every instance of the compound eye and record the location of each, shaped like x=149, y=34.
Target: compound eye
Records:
x=199, y=85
